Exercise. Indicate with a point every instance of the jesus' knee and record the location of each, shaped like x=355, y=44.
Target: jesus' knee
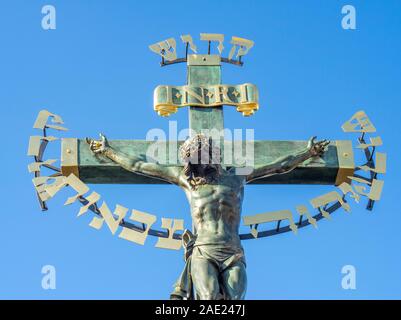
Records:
x=235, y=282
x=205, y=279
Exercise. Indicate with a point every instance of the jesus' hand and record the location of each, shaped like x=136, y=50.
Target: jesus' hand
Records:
x=317, y=149
x=98, y=146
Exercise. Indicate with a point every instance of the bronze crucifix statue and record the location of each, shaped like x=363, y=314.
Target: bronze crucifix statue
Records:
x=213, y=182
x=215, y=261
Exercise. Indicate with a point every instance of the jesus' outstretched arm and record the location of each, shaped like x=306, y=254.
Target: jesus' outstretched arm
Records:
x=133, y=163
x=288, y=163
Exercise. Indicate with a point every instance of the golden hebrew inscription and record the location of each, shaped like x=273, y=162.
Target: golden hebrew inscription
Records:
x=92, y=199
x=48, y=190
x=59, y=183
x=108, y=217
x=214, y=37
x=187, y=39
x=347, y=188
x=134, y=235
x=40, y=189
x=35, y=166
x=303, y=210
x=374, y=142
x=269, y=217
x=359, y=122
x=43, y=117
x=56, y=186
x=321, y=201
x=166, y=49
x=243, y=46
x=171, y=225
x=376, y=188
x=80, y=187
x=380, y=164
x=34, y=144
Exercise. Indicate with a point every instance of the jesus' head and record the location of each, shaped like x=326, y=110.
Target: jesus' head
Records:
x=201, y=160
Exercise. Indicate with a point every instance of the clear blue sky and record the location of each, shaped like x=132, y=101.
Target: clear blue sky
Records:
x=95, y=70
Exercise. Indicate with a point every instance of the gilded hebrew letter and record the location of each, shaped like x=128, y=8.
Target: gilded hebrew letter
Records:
x=187, y=39
x=75, y=183
x=359, y=122
x=376, y=188
x=40, y=187
x=244, y=46
x=47, y=191
x=35, y=166
x=34, y=144
x=92, y=199
x=269, y=217
x=303, y=210
x=138, y=237
x=374, y=142
x=171, y=225
x=107, y=216
x=43, y=117
x=380, y=164
x=166, y=49
x=321, y=201
x=214, y=37
x=347, y=188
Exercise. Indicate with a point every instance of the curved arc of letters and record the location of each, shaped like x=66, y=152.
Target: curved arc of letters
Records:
x=139, y=225
x=330, y=202
x=167, y=49
x=134, y=232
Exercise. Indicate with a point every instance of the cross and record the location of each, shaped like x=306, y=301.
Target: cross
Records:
x=215, y=193
x=333, y=167
x=215, y=267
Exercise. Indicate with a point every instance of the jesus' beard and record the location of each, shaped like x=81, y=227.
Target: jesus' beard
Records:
x=196, y=178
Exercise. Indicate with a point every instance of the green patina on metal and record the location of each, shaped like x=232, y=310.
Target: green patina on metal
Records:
x=215, y=262
x=100, y=170
x=200, y=117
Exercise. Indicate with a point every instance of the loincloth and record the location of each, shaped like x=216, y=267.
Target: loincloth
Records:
x=222, y=256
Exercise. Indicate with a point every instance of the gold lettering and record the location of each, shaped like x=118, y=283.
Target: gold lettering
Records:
x=92, y=199
x=374, y=142
x=107, y=216
x=187, y=39
x=35, y=142
x=244, y=46
x=171, y=225
x=380, y=164
x=359, y=122
x=43, y=117
x=135, y=236
x=303, y=210
x=320, y=201
x=188, y=91
x=214, y=37
x=269, y=217
x=166, y=49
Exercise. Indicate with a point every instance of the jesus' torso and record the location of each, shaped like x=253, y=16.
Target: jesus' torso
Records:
x=216, y=210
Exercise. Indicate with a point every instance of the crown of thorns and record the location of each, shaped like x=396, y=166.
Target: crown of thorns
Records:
x=190, y=149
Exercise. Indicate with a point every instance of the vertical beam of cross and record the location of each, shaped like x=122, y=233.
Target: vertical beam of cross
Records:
x=204, y=70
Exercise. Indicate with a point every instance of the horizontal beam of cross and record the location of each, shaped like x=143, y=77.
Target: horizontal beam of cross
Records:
x=332, y=169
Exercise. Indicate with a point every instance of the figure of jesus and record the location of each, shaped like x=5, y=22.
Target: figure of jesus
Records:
x=215, y=262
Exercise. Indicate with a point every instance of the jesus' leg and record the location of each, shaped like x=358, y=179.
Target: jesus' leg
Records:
x=205, y=277
x=235, y=281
